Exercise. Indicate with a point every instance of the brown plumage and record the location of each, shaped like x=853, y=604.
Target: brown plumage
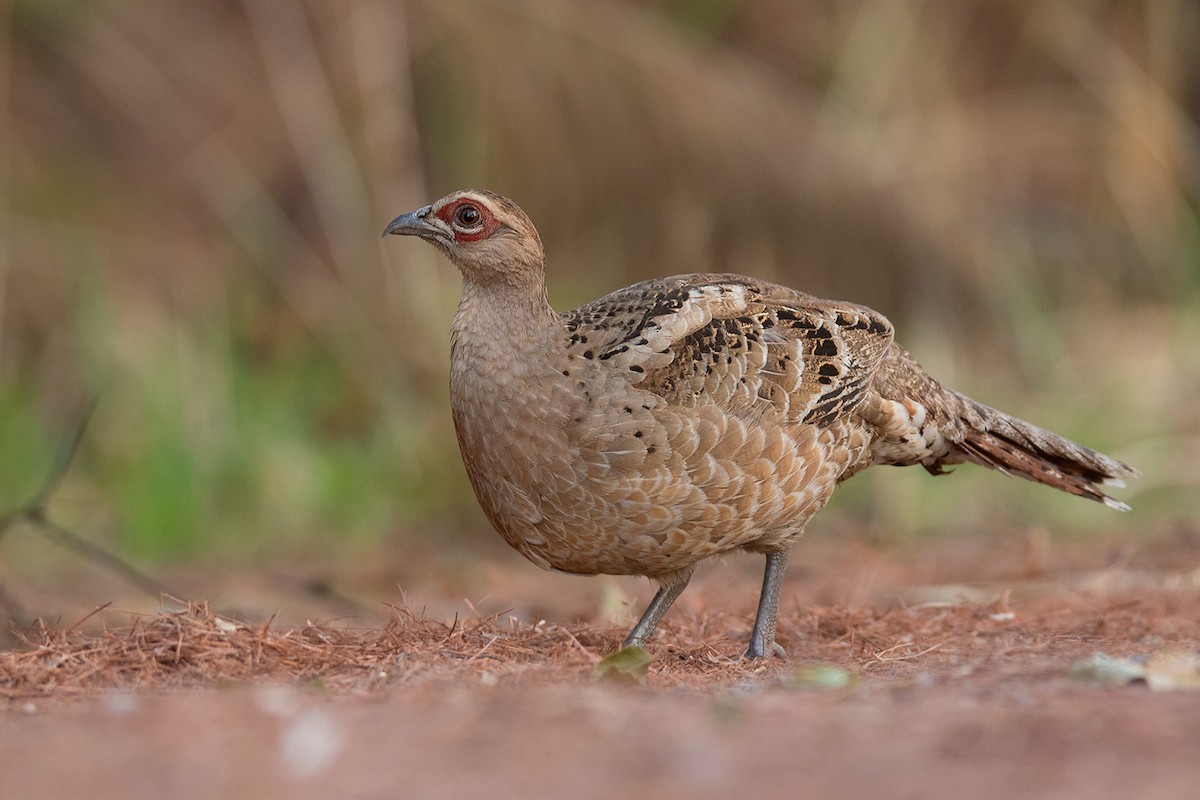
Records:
x=690, y=416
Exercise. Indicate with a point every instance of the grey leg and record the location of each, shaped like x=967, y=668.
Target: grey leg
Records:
x=645, y=627
x=762, y=638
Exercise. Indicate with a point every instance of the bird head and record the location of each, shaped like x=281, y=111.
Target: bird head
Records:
x=488, y=237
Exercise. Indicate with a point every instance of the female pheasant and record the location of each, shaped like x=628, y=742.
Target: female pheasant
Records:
x=685, y=417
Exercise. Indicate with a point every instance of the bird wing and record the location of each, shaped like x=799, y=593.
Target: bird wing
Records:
x=751, y=347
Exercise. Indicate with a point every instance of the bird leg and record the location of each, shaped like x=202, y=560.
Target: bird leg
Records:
x=762, y=638
x=666, y=595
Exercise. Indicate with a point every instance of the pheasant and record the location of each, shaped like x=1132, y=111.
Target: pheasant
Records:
x=686, y=417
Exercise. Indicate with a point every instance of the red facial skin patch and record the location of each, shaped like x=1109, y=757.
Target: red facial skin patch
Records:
x=488, y=223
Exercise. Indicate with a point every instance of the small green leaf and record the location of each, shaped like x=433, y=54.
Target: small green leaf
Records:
x=822, y=676
x=316, y=685
x=627, y=665
x=1101, y=668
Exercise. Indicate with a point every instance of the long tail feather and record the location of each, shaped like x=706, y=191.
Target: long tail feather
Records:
x=1016, y=447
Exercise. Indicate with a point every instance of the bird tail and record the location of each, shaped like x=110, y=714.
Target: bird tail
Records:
x=1016, y=447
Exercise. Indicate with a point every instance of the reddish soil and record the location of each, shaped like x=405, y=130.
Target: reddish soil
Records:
x=955, y=689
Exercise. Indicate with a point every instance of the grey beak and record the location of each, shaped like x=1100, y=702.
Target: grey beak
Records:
x=413, y=224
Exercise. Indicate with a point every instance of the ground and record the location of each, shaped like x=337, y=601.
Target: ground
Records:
x=944, y=669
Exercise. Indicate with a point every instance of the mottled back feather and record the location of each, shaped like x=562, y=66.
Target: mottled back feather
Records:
x=752, y=348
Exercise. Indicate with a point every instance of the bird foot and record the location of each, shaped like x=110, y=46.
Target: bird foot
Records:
x=758, y=650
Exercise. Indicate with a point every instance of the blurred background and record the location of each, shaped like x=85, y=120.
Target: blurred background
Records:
x=193, y=195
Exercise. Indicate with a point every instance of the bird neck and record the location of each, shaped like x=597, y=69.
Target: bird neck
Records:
x=507, y=346
x=499, y=317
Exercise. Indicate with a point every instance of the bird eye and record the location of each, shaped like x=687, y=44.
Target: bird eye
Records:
x=468, y=216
